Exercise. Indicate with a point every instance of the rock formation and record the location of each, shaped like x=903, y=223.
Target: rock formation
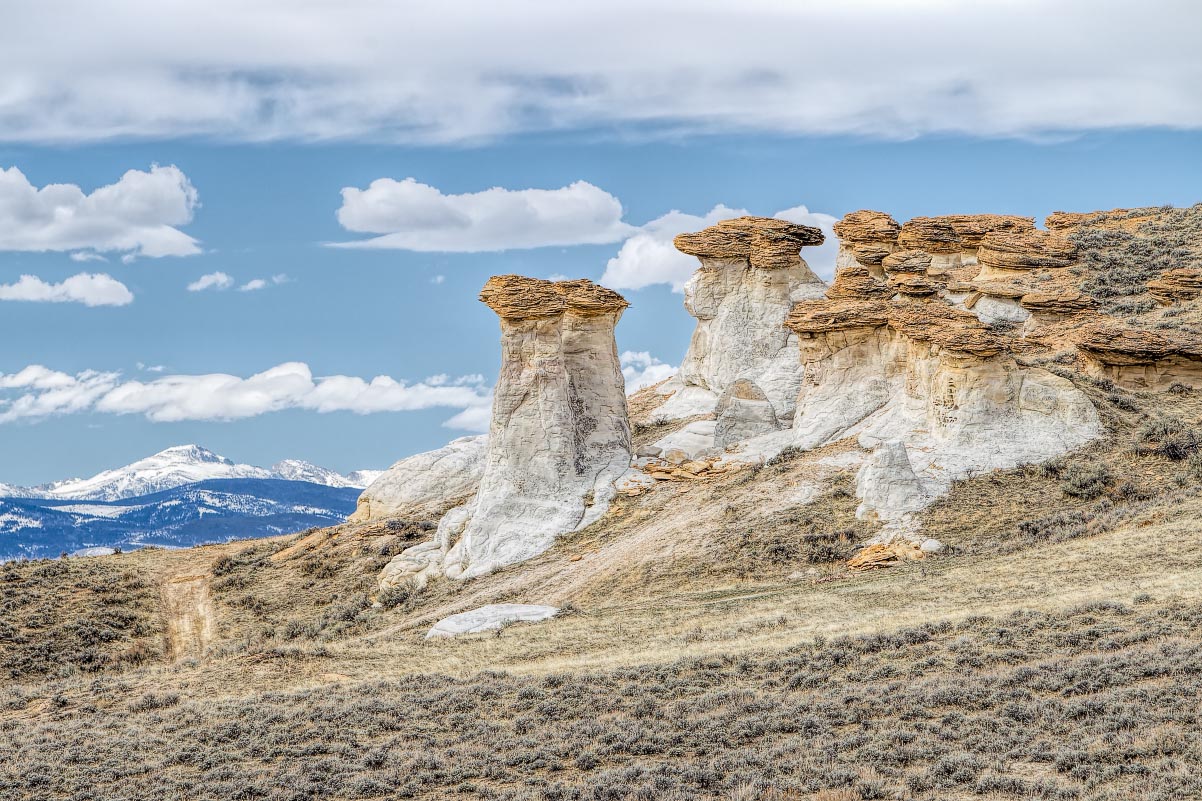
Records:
x=1138, y=359
x=489, y=618
x=424, y=486
x=921, y=378
x=751, y=274
x=560, y=432
x=944, y=348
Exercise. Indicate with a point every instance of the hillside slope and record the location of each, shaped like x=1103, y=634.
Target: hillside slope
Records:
x=716, y=639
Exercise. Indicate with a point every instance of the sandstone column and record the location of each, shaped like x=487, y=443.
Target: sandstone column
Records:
x=751, y=274
x=560, y=433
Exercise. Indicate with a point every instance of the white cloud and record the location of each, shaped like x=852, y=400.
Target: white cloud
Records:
x=438, y=279
x=217, y=280
x=465, y=71
x=90, y=289
x=821, y=258
x=649, y=257
x=253, y=285
x=138, y=215
x=641, y=369
x=476, y=418
x=86, y=255
x=409, y=215
x=38, y=392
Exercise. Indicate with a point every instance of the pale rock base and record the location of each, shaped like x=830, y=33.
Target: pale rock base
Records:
x=489, y=618
x=421, y=486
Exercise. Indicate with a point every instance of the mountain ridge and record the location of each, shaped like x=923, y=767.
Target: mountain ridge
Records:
x=177, y=466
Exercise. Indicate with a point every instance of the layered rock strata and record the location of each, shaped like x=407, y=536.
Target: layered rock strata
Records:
x=1138, y=359
x=932, y=391
x=750, y=276
x=559, y=437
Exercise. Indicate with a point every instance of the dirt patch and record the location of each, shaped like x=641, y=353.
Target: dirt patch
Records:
x=188, y=609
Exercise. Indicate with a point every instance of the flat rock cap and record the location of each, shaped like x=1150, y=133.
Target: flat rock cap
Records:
x=766, y=242
x=867, y=226
x=516, y=297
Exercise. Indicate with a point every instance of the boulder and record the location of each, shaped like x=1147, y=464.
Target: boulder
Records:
x=423, y=486
x=489, y=618
x=1003, y=253
x=744, y=411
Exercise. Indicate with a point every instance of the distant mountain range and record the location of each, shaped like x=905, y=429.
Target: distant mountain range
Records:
x=182, y=496
x=175, y=467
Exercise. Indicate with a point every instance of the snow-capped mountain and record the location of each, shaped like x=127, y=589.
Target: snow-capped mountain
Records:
x=364, y=478
x=297, y=470
x=179, y=466
x=174, y=467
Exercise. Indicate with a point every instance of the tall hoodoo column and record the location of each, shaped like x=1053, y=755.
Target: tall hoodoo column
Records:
x=560, y=433
x=751, y=274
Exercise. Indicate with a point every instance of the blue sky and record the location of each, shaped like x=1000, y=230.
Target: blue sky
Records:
x=268, y=202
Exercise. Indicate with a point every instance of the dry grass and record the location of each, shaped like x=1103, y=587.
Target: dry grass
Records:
x=1094, y=702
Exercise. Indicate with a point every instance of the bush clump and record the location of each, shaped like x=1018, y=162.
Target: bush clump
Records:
x=1085, y=481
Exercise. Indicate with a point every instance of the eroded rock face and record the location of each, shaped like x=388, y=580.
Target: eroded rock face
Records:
x=934, y=386
x=751, y=274
x=560, y=433
x=920, y=373
x=423, y=486
x=559, y=438
x=1139, y=359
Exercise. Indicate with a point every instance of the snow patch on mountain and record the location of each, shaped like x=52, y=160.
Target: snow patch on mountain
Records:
x=176, y=467
x=297, y=470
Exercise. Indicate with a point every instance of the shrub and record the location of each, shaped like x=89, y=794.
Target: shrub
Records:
x=1086, y=481
x=1169, y=437
x=397, y=594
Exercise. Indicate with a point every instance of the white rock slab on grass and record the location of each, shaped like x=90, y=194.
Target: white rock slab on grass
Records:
x=489, y=618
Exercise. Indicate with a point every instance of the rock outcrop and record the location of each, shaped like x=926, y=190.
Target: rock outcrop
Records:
x=751, y=274
x=560, y=433
x=489, y=618
x=1139, y=359
x=933, y=390
x=559, y=438
x=424, y=486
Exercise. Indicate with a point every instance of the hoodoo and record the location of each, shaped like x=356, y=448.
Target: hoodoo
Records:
x=559, y=437
x=560, y=433
x=751, y=274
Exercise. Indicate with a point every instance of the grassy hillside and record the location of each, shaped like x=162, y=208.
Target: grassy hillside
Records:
x=712, y=642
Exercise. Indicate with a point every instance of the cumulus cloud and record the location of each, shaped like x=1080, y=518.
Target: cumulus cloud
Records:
x=477, y=418
x=821, y=258
x=467, y=71
x=649, y=256
x=90, y=289
x=138, y=215
x=641, y=369
x=37, y=392
x=256, y=284
x=410, y=215
x=217, y=280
